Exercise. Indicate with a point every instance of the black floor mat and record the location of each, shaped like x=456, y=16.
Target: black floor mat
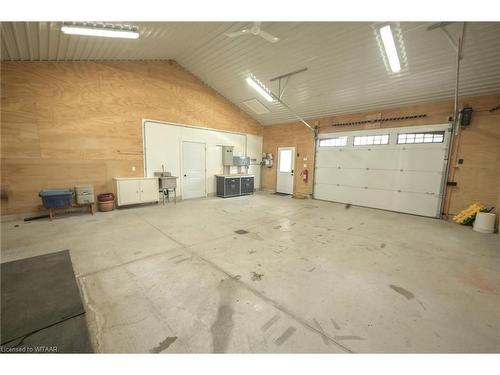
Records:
x=285, y=194
x=41, y=305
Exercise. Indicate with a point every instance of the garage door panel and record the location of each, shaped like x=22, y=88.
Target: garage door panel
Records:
x=333, y=193
x=414, y=181
x=428, y=205
x=386, y=200
x=380, y=179
x=358, y=196
x=411, y=159
x=397, y=177
x=423, y=159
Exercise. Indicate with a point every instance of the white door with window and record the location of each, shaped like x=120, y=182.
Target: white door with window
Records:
x=193, y=170
x=286, y=159
x=396, y=169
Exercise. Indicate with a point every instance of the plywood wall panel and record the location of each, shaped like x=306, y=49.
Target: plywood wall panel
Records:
x=81, y=122
x=123, y=168
x=20, y=132
x=20, y=175
x=478, y=178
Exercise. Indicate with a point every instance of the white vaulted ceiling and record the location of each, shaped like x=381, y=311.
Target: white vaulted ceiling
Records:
x=346, y=72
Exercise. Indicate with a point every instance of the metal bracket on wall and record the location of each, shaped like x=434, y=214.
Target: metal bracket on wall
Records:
x=286, y=77
x=458, y=47
x=383, y=119
x=496, y=108
x=281, y=90
x=455, y=44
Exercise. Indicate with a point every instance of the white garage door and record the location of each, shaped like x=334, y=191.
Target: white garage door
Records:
x=398, y=169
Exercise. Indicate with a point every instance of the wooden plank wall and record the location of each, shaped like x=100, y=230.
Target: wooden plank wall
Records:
x=478, y=177
x=67, y=123
x=294, y=135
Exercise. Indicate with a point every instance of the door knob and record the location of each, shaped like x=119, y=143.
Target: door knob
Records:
x=185, y=175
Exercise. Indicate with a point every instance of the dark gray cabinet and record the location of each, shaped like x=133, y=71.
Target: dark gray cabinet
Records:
x=233, y=185
x=247, y=185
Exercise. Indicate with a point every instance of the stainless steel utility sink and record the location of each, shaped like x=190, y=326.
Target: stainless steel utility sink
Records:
x=169, y=182
x=162, y=174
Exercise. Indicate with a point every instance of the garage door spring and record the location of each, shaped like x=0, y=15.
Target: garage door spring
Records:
x=384, y=119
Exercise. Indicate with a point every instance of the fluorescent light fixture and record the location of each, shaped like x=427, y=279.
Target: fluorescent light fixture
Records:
x=100, y=31
x=256, y=106
x=260, y=88
x=390, y=48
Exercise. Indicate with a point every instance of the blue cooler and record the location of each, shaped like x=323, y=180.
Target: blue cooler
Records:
x=56, y=198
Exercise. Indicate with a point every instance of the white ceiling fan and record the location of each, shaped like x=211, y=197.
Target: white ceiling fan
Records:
x=255, y=30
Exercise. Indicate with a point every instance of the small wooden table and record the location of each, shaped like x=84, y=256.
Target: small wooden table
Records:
x=91, y=206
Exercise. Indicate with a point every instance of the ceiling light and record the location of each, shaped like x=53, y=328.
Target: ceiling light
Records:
x=390, y=48
x=260, y=88
x=108, y=32
x=256, y=106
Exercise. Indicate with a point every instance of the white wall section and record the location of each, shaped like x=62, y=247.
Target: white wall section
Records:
x=163, y=146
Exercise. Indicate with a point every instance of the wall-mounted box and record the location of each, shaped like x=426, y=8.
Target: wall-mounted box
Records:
x=227, y=155
x=241, y=161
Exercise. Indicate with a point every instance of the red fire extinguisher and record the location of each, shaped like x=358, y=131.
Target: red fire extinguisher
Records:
x=304, y=175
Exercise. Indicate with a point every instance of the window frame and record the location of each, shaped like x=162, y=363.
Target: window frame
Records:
x=281, y=161
x=373, y=143
x=434, y=133
x=346, y=137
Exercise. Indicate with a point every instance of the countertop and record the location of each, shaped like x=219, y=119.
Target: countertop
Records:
x=142, y=178
x=134, y=178
x=235, y=175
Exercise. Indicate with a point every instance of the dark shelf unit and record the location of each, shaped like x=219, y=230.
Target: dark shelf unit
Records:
x=233, y=185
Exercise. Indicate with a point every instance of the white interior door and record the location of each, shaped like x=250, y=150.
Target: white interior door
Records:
x=396, y=169
x=193, y=170
x=284, y=181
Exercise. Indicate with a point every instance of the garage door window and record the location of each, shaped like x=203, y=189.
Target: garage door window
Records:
x=333, y=142
x=366, y=140
x=430, y=137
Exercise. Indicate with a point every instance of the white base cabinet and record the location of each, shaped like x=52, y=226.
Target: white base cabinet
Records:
x=136, y=190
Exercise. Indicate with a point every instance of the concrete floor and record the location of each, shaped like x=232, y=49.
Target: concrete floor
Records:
x=310, y=276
